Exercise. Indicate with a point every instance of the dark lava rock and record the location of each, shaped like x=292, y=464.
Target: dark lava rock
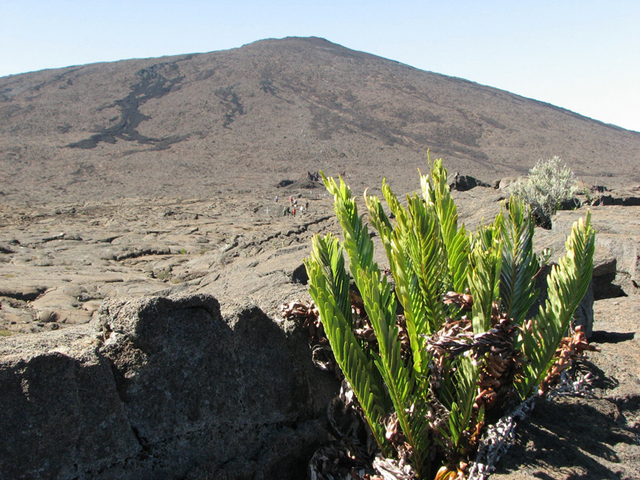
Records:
x=163, y=388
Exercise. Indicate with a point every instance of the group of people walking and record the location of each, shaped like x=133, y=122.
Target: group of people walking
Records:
x=293, y=207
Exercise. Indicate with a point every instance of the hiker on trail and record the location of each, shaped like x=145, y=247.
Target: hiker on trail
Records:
x=285, y=211
x=276, y=198
x=294, y=211
x=306, y=205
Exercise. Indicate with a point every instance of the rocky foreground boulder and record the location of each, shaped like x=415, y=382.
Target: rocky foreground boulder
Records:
x=162, y=388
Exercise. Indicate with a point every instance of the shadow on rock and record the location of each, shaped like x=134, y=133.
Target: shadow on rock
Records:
x=173, y=389
x=570, y=438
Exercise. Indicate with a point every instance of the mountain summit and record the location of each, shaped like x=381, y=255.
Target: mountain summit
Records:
x=246, y=118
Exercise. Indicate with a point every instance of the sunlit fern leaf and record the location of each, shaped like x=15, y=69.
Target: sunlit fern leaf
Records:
x=418, y=263
x=429, y=261
x=519, y=262
x=328, y=256
x=458, y=252
x=436, y=192
x=460, y=418
x=380, y=221
x=567, y=284
x=407, y=288
x=396, y=208
x=417, y=247
x=380, y=305
x=329, y=288
x=484, y=276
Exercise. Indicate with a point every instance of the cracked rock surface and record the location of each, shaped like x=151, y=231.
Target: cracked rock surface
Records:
x=57, y=264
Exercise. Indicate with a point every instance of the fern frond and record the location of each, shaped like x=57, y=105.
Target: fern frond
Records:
x=429, y=260
x=396, y=208
x=567, y=284
x=436, y=192
x=458, y=392
x=380, y=305
x=418, y=263
x=406, y=282
x=379, y=220
x=467, y=374
x=329, y=288
x=519, y=262
x=484, y=276
x=458, y=252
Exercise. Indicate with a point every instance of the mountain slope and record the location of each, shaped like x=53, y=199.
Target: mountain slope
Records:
x=199, y=125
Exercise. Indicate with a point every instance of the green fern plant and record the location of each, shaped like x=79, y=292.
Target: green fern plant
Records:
x=567, y=284
x=460, y=295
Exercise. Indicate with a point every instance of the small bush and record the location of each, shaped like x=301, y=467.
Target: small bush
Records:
x=549, y=184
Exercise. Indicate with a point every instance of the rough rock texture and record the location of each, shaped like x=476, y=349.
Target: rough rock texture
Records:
x=61, y=413
x=162, y=388
x=59, y=264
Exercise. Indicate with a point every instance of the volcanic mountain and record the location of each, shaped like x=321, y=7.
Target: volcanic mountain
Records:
x=244, y=119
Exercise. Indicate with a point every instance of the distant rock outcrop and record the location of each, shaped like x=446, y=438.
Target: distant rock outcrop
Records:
x=462, y=183
x=162, y=388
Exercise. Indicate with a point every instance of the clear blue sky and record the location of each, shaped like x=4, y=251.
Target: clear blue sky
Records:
x=578, y=54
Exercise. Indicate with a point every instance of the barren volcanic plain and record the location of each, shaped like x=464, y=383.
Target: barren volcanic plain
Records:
x=160, y=176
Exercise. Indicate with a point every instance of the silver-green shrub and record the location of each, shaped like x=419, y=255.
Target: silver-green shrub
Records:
x=550, y=183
